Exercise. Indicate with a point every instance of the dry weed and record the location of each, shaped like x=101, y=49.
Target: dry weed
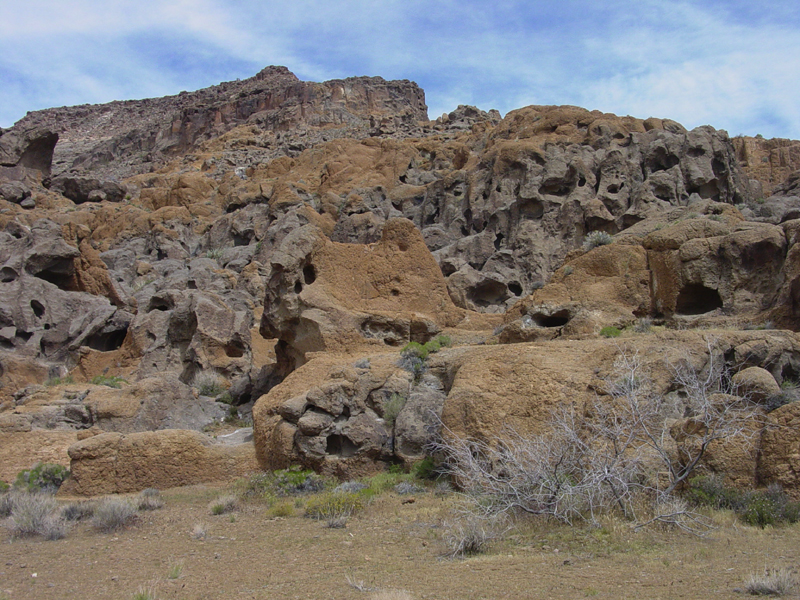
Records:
x=772, y=582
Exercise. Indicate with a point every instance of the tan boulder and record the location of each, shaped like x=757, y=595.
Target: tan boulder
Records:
x=112, y=463
x=779, y=461
x=755, y=383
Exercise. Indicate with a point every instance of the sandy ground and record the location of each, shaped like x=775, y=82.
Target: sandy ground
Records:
x=389, y=546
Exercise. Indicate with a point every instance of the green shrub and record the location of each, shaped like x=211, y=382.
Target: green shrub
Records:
x=4, y=487
x=335, y=508
x=286, y=482
x=44, y=477
x=114, y=381
x=281, y=509
x=568, y=270
x=414, y=365
x=425, y=469
x=415, y=349
x=111, y=514
x=597, y=238
x=758, y=508
x=610, y=332
x=392, y=408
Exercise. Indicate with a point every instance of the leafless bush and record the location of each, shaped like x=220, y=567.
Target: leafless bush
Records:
x=607, y=455
x=199, y=531
x=149, y=499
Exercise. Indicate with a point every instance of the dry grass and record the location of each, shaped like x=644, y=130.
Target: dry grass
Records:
x=112, y=514
x=37, y=515
x=772, y=582
x=223, y=504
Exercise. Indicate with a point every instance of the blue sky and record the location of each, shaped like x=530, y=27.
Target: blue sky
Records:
x=731, y=64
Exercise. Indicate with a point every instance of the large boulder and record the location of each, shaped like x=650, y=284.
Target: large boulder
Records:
x=113, y=463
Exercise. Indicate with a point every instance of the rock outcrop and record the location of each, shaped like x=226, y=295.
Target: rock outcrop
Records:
x=113, y=463
x=285, y=239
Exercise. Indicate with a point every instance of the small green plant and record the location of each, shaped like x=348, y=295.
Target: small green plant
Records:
x=113, y=381
x=4, y=487
x=772, y=582
x=224, y=504
x=335, y=508
x=44, y=477
x=392, y=408
x=568, y=270
x=597, y=238
x=610, y=332
x=145, y=593
x=757, y=508
x=214, y=253
x=112, y=514
x=175, y=570
x=54, y=381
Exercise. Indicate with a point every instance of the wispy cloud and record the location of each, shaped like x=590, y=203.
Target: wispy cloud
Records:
x=728, y=63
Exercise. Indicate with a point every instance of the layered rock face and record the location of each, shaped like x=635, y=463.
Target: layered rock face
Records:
x=284, y=240
x=124, y=138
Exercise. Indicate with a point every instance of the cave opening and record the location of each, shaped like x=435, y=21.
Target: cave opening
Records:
x=697, y=299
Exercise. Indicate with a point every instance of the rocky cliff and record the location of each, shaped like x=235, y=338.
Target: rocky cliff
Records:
x=219, y=242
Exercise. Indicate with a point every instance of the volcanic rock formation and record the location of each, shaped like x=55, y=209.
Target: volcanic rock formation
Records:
x=283, y=240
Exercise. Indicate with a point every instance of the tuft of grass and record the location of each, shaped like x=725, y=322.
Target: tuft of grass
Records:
x=283, y=509
x=149, y=499
x=468, y=534
x=772, y=582
x=208, y=383
x=214, y=253
x=79, y=511
x=597, y=238
x=199, y=531
x=223, y=504
x=610, y=332
x=335, y=508
x=146, y=592
x=113, y=381
x=392, y=408
x=54, y=381
x=37, y=514
x=112, y=514
x=175, y=570
x=285, y=482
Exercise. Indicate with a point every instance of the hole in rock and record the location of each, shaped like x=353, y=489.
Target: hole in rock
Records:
x=697, y=299
x=234, y=349
x=515, y=288
x=531, y=209
x=38, y=308
x=395, y=292
x=59, y=273
x=556, y=189
x=498, y=240
x=298, y=287
x=7, y=275
x=191, y=284
x=340, y=445
x=309, y=274
x=488, y=293
x=46, y=326
x=106, y=342
x=557, y=319
x=582, y=181
x=160, y=303
x=23, y=335
x=242, y=240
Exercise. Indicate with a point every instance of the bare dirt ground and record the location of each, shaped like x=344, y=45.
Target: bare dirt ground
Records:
x=388, y=546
